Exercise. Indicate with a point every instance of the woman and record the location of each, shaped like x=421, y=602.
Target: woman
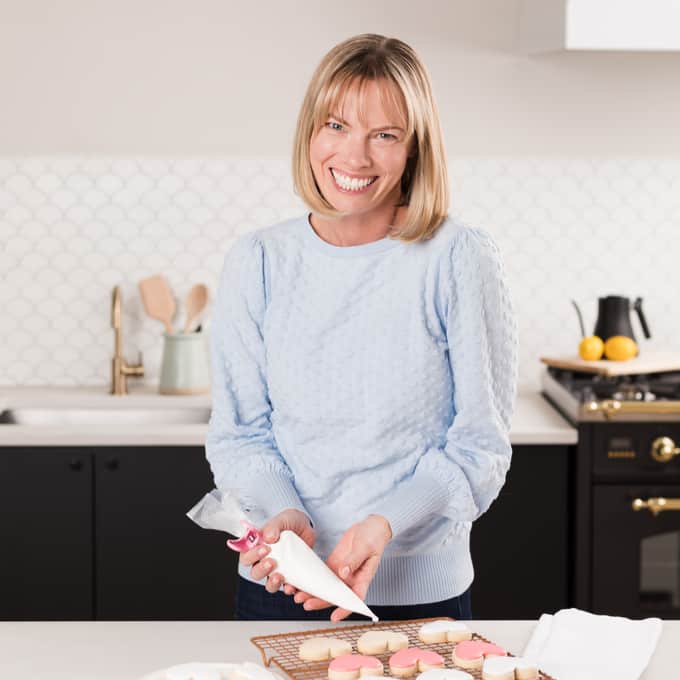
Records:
x=364, y=355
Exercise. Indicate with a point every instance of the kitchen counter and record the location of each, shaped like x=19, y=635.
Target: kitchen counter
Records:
x=535, y=421
x=128, y=650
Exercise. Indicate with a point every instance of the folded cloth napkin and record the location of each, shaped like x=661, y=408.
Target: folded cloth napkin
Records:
x=576, y=645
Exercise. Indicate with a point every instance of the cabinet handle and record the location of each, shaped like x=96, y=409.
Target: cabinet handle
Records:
x=75, y=464
x=656, y=505
x=111, y=464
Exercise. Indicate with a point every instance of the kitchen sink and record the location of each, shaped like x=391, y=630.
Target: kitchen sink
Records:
x=104, y=416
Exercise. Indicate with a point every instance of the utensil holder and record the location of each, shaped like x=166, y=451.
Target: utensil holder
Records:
x=184, y=366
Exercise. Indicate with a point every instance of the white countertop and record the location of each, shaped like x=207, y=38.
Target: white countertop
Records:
x=535, y=421
x=104, y=650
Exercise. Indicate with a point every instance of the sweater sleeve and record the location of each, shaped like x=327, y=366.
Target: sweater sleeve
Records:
x=240, y=445
x=461, y=479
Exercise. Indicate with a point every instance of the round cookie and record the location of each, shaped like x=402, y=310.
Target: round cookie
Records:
x=444, y=674
x=322, y=648
x=471, y=653
x=434, y=632
x=408, y=662
x=353, y=666
x=381, y=641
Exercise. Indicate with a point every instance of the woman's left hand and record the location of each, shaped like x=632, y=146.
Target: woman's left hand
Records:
x=355, y=560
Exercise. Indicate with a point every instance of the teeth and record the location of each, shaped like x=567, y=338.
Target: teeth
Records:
x=351, y=184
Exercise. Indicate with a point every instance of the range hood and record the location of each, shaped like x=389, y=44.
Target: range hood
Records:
x=635, y=25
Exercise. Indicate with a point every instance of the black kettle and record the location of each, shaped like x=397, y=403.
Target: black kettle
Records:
x=613, y=317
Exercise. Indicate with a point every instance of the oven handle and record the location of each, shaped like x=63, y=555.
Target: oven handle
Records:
x=656, y=505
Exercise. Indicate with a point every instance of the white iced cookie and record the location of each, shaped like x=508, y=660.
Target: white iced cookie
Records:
x=322, y=648
x=381, y=641
x=444, y=674
x=508, y=668
x=434, y=632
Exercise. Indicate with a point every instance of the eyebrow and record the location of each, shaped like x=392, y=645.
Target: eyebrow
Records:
x=386, y=127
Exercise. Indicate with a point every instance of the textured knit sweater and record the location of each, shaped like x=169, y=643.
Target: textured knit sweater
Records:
x=369, y=379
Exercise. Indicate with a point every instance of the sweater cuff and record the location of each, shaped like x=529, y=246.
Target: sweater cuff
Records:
x=412, y=502
x=275, y=493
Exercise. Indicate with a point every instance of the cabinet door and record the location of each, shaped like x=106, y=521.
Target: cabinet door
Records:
x=152, y=561
x=45, y=534
x=520, y=546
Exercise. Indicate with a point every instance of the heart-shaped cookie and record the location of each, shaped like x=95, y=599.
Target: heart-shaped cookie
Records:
x=471, y=653
x=381, y=641
x=508, y=668
x=434, y=632
x=322, y=648
x=353, y=666
x=445, y=674
x=407, y=662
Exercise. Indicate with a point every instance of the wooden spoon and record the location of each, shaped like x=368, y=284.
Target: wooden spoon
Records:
x=158, y=300
x=196, y=301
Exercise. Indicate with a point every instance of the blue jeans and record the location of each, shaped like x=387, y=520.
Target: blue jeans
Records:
x=254, y=603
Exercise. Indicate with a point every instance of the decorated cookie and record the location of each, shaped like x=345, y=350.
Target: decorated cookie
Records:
x=381, y=641
x=508, y=668
x=322, y=648
x=352, y=666
x=444, y=674
x=471, y=653
x=433, y=632
x=407, y=662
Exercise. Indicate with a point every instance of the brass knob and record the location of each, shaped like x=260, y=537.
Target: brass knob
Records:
x=656, y=505
x=664, y=449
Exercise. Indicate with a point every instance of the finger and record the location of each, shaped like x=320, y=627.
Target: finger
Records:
x=250, y=557
x=262, y=569
x=271, y=533
x=301, y=597
x=273, y=583
x=339, y=614
x=314, y=603
x=288, y=589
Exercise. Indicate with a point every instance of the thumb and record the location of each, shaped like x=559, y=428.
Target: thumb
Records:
x=350, y=564
x=272, y=530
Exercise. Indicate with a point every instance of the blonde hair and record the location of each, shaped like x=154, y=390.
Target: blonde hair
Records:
x=371, y=57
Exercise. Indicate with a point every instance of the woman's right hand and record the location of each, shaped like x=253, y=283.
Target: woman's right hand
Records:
x=291, y=520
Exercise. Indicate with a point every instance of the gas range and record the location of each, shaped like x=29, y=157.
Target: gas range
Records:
x=587, y=397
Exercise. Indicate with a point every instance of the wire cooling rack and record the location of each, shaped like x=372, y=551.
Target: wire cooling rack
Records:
x=282, y=649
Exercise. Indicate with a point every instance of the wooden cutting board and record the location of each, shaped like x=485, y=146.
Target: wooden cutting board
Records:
x=649, y=362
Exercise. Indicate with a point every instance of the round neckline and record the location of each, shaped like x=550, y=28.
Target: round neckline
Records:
x=381, y=245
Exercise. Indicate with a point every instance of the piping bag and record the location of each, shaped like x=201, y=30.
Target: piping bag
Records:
x=295, y=560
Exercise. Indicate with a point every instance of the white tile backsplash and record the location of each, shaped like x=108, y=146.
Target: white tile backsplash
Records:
x=72, y=228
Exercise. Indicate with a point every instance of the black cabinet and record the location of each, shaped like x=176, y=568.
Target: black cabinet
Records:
x=46, y=561
x=103, y=534
x=521, y=545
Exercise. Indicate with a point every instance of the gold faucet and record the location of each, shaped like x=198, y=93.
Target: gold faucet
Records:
x=120, y=368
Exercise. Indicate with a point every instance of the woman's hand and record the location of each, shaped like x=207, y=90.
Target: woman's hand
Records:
x=355, y=559
x=292, y=520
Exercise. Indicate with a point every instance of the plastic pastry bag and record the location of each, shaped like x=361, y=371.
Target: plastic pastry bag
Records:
x=295, y=560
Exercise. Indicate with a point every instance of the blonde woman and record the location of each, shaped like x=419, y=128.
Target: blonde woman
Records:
x=364, y=355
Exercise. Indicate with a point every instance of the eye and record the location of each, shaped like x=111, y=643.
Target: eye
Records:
x=386, y=136
x=332, y=123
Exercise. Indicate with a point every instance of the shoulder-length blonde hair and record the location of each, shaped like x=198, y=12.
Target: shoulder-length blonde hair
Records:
x=369, y=57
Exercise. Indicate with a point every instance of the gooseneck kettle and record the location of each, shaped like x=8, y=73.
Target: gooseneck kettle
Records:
x=613, y=317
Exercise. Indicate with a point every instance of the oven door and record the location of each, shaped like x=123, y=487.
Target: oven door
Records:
x=636, y=553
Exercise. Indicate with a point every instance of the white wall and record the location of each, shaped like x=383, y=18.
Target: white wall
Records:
x=143, y=137
x=214, y=77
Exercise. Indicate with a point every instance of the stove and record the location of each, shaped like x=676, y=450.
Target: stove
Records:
x=588, y=397
x=624, y=489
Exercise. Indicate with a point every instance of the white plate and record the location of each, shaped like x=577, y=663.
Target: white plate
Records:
x=223, y=668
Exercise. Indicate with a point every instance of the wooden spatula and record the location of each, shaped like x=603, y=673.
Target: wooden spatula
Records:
x=196, y=301
x=158, y=300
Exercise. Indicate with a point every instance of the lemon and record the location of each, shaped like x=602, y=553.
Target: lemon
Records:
x=591, y=348
x=620, y=348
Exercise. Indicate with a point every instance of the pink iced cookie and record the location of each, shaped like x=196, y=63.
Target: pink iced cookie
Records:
x=407, y=662
x=352, y=666
x=471, y=653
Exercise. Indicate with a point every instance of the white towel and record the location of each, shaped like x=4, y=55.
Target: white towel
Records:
x=577, y=645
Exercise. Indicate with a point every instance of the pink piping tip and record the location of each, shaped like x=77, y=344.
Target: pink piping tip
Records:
x=251, y=538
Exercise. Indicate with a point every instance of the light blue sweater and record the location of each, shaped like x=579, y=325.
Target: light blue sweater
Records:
x=377, y=378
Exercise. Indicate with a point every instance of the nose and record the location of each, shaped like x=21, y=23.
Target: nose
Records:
x=356, y=152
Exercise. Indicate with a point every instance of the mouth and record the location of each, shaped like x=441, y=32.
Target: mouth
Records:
x=352, y=185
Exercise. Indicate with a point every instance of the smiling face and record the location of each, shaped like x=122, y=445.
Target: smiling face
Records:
x=359, y=153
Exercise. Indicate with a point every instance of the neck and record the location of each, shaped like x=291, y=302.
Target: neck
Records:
x=356, y=230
